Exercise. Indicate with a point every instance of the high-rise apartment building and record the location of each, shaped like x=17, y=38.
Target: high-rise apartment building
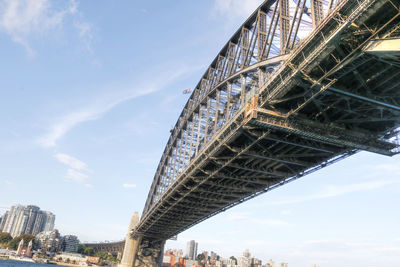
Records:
x=49, y=222
x=27, y=220
x=3, y=221
x=191, y=250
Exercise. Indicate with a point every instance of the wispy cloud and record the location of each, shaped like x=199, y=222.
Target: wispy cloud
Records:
x=98, y=107
x=76, y=176
x=8, y=182
x=85, y=30
x=334, y=191
x=77, y=168
x=25, y=19
x=72, y=162
x=129, y=185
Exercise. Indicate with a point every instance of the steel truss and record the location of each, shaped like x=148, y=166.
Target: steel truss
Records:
x=292, y=91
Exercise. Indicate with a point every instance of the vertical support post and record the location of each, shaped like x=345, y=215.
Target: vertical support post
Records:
x=198, y=130
x=317, y=12
x=243, y=90
x=262, y=34
x=284, y=23
x=244, y=47
x=207, y=119
x=228, y=102
x=218, y=93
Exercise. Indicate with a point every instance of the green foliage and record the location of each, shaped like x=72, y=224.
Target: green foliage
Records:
x=88, y=251
x=81, y=248
x=13, y=244
x=5, y=237
x=233, y=258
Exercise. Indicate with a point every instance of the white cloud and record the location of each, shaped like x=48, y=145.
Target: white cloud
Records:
x=72, y=162
x=26, y=19
x=8, y=182
x=77, y=167
x=334, y=191
x=98, y=107
x=129, y=185
x=85, y=30
x=76, y=176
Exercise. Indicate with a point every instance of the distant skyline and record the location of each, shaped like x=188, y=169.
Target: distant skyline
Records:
x=88, y=96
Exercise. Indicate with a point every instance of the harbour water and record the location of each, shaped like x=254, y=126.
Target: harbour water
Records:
x=8, y=263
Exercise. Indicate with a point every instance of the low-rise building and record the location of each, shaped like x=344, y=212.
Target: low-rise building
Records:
x=70, y=243
x=71, y=258
x=49, y=241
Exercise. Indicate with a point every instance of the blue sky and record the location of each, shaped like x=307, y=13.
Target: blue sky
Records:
x=88, y=96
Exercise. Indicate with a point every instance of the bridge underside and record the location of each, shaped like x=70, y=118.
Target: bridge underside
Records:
x=336, y=94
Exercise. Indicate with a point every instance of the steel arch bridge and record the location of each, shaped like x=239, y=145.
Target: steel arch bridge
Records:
x=300, y=85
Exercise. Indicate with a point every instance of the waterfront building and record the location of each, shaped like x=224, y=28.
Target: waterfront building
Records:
x=191, y=250
x=70, y=243
x=71, y=257
x=26, y=220
x=49, y=241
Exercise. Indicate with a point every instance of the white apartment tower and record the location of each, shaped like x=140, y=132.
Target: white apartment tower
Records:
x=191, y=250
x=27, y=220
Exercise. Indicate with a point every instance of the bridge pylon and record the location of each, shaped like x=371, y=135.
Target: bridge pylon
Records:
x=139, y=250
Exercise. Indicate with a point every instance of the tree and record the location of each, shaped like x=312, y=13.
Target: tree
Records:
x=81, y=248
x=13, y=244
x=5, y=237
x=233, y=258
x=88, y=251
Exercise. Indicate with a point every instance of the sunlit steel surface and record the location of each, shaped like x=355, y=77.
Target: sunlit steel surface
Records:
x=299, y=86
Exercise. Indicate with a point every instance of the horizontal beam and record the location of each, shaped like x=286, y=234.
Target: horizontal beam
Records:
x=363, y=98
x=323, y=133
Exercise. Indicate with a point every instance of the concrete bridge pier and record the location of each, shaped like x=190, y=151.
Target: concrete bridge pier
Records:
x=140, y=250
x=147, y=252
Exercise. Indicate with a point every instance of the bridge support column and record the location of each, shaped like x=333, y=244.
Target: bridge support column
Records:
x=148, y=253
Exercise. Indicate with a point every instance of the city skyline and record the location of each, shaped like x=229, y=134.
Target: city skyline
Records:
x=78, y=82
